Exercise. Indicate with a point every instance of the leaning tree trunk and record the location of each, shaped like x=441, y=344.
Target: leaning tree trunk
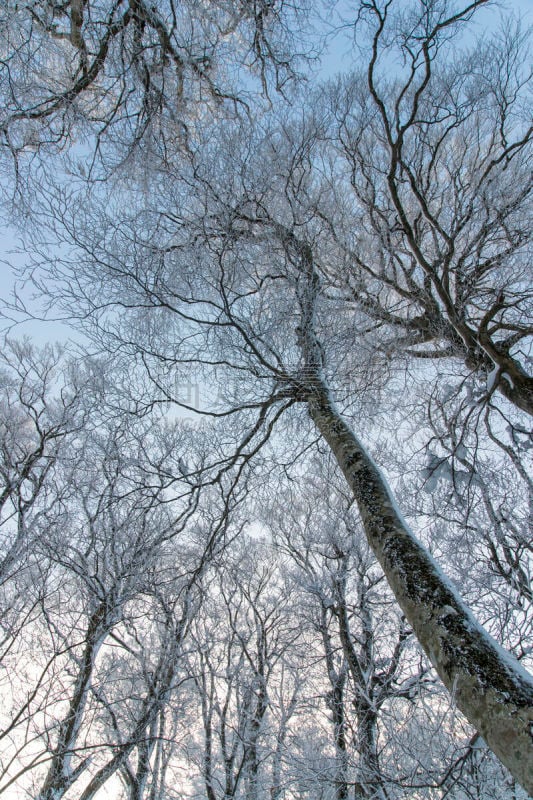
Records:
x=488, y=685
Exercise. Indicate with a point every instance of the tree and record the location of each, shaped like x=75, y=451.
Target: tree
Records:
x=106, y=560
x=114, y=539
x=243, y=640
x=437, y=165
x=41, y=408
x=230, y=262
x=365, y=641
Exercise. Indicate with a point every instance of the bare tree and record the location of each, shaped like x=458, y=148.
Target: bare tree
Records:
x=233, y=267
x=364, y=639
x=436, y=162
x=41, y=408
x=242, y=648
x=285, y=355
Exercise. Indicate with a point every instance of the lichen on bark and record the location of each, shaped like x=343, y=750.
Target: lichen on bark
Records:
x=490, y=687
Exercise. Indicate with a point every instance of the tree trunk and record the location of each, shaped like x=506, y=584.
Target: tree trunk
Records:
x=366, y=702
x=60, y=775
x=370, y=782
x=488, y=685
x=335, y=703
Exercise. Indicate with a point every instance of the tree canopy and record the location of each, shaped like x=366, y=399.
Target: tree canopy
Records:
x=300, y=306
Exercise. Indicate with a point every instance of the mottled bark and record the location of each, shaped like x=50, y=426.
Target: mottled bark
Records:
x=511, y=379
x=76, y=23
x=488, y=685
x=251, y=754
x=335, y=702
x=207, y=695
x=367, y=700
